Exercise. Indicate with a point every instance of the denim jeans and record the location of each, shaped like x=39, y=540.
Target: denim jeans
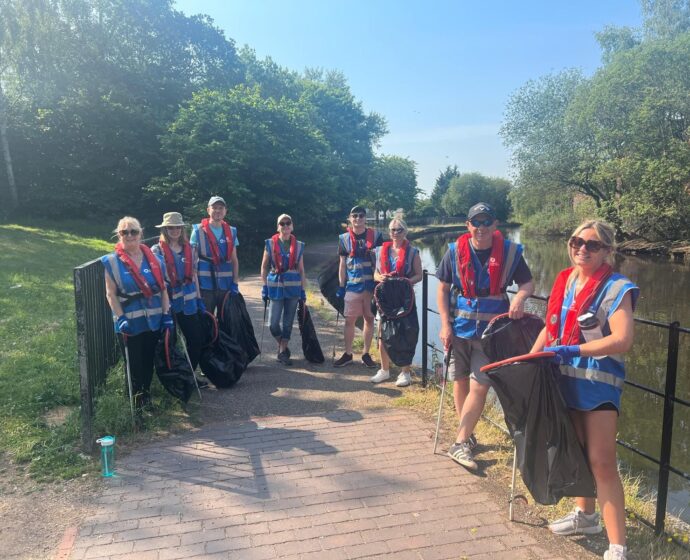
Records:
x=287, y=308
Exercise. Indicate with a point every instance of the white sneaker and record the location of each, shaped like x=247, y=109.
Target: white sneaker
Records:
x=404, y=379
x=616, y=552
x=381, y=375
x=577, y=523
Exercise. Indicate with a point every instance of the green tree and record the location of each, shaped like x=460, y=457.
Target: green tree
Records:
x=468, y=189
x=392, y=184
x=665, y=19
x=441, y=186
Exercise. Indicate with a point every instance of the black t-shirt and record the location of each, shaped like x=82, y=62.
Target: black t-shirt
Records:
x=361, y=244
x=444, y=272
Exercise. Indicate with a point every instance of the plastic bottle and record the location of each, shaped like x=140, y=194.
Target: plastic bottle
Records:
x=107, y=455
x=590, y=328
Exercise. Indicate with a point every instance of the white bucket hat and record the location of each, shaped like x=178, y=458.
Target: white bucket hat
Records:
x=172, y=219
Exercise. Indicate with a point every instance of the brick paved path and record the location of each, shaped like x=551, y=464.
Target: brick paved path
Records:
x=339, y=485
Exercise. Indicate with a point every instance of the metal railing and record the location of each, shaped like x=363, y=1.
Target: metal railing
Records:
x=663, y=462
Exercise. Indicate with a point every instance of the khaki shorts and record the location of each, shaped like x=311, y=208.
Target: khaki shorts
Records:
x=467, y=359
x=358, y=304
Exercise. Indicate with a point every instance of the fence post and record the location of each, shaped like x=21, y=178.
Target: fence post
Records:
x=85, y=385
x=667, y=426
x=425, y=323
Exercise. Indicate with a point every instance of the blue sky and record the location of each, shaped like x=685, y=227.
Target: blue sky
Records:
x=440, y=72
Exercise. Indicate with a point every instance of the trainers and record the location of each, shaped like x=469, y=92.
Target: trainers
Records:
x=404, y=379
x=284, y=358
x=462, y=455
x=576, y=523
x=381, y=375
x=343, y=360
x=472, y=440
x=367, y=361
x=617, y=553
x=202, y=383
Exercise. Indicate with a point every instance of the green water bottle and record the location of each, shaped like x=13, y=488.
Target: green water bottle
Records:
x=107, y=455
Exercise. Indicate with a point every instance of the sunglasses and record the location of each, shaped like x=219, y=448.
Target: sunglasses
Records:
x=124, y=232
x=486, y=223
x=285, y=224
x=592, y=245
x=396, y=230
x=358, y=215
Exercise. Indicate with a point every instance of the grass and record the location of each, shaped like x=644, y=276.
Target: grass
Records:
x=38, y=365
x=497, y=453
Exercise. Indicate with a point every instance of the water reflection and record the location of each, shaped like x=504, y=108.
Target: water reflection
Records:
x=664, y=297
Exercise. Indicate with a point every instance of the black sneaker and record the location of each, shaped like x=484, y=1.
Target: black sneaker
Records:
x=287, y=351
x=367, y=361
x=343, y=360
x=472, y=440
x=284, y=358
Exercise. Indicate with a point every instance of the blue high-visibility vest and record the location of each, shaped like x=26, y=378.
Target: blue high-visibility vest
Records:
x=205, y=267
x=288, y=284
x=360, y=268
x=182, y=297
x=409, y=260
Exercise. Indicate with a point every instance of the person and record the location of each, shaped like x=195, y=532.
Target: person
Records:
x=473, y=276
x=396, y=258
x=183, y=289
x=282, y=273
x=216, y=244
x=589, y=325
x=136, y=292
x=356, y=282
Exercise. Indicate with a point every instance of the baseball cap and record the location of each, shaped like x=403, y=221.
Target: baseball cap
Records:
x=358, y=210
x=481, y=208
x=214, y=199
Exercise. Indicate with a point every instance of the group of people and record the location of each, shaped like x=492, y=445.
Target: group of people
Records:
x=150, y=291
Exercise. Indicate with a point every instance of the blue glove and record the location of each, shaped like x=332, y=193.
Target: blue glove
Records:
x=340, y=294
x=200, y=305
x=563, y=353
x=303, y=295
x=167, y=322
x=264, y=293
x=234, y=289
x=122, y=325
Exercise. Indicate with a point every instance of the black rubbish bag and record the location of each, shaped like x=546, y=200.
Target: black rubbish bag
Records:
x=549, y=456
x=209, y=325
x=172, y=367
x=310, y=343
x=395, y=301
x=235, y=321
x=224, y=362
x=505, y=337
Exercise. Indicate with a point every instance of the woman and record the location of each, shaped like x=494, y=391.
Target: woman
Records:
x=282, y=273
x=589, y=324
x=396, y=258
x=183, y=289
x=136, y=291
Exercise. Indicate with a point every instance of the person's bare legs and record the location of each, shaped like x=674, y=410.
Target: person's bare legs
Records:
x=368, y=334
x=472, y=409
x=385, y=360
x=597, y=430
x=461, y=388
x=349, y=333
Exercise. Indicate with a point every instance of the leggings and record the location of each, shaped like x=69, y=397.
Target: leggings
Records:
x=191, y=328
x=141, y=348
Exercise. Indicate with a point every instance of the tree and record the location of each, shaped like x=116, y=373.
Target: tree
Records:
x=392, y=184
x=613, y=40
x=468, y=189
x=441, y=186
x=665, y=19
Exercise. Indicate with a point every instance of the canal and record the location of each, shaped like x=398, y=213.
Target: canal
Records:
x=664, y=297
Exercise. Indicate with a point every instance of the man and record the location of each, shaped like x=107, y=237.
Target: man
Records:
x=356, y=276
x=473, y=277
x=216, y=244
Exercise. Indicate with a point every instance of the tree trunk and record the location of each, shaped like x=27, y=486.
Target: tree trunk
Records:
x=4, y=144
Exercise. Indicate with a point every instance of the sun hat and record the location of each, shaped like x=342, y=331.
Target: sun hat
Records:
x=172, y=219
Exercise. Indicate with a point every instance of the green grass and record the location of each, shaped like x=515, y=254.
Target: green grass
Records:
x=38, y=356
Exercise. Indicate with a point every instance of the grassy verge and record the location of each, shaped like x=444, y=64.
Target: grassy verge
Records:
x=39, y=381
x=496, y=453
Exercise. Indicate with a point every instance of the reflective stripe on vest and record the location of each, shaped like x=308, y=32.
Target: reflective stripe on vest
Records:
x=593, y=375
x=224, y=272
x=360, y=272
x=287, y=285
x=183, y=297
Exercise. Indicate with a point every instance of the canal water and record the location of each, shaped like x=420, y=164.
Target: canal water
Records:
x=664, y=297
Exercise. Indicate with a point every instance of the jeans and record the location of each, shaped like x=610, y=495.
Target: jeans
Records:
x=287, y=308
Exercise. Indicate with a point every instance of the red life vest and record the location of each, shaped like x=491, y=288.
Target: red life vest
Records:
x=170, y=263
x=278, y=256
x=353, y=240
x=465, y=267
x=134, y=269
x=213, y=243
x=400, y=263
x=571, y=328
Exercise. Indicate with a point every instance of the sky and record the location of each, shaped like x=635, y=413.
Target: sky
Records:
x=439, y=71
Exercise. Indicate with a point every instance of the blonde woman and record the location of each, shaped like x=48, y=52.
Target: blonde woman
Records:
x=396, y=258
x=136, y=291
x=589, y=325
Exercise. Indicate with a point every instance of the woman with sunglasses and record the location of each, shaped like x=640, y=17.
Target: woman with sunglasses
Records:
x=396, y=258
x=183, y=290
x=136, y=291
x=589, y=325
x=282, y=273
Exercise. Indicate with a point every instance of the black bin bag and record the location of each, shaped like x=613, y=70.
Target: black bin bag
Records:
x=399, y=324
x=505, y=337
x=172, y=368
x=235, y=321
x=224, y=362
x=549, y=455
x=310, y=343
x=329, y=282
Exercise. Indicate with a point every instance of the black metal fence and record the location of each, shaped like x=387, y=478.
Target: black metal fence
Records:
x=663, y=462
